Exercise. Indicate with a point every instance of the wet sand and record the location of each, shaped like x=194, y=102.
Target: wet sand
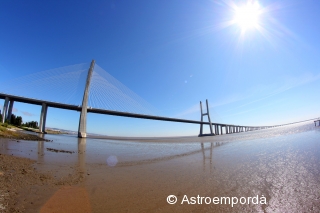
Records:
x=108, y=175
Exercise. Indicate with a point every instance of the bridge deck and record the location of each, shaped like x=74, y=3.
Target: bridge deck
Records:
x=103, y=111
x=231, y=127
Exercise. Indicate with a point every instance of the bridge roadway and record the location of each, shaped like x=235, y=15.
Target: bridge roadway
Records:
x=229, y=128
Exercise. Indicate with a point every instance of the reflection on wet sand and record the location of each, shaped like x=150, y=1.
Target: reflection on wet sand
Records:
x=82, y=142
x=71, y=198
x=205, y=158
x=40, y=151
x=152, y=159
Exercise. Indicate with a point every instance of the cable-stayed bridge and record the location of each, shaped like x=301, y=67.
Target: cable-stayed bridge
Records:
x=90, y=89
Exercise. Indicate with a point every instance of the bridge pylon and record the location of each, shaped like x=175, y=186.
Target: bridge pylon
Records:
x=204, y=114
x=82, y=131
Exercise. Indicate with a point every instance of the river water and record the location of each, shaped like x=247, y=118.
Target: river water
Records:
x=278, y=167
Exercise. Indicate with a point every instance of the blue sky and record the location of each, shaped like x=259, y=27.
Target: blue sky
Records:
x=173, y=54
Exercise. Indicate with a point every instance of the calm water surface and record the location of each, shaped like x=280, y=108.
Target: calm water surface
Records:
x=282, y=165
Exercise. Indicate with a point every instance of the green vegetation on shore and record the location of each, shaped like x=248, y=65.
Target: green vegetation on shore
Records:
x=15, y=124
x=12, y=132
x=49, y=131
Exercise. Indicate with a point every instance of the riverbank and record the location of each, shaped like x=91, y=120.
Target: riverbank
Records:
x=12, y=132
x=49, y=131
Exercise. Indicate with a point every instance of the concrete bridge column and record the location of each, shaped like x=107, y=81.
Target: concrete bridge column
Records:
x=5, y=109
x=221, y=129
x=43, y=118
x=82, y=130
x=10, y=110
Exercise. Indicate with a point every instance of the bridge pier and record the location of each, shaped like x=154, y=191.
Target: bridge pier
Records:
x=5, y=109
x=82, y=130
x=43, y=118
x=10, y=111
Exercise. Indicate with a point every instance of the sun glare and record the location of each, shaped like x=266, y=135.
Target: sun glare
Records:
x=248, y=15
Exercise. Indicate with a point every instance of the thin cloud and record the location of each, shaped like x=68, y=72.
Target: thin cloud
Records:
x=256, y=108
x=191, y=110
x=291, y=83
x=27, y=113
x=196, y=108
x=13, y=109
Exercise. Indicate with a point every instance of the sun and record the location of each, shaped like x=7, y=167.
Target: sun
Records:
x=247, y=16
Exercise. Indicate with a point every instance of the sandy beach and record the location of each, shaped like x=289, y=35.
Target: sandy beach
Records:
x=108, y=175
